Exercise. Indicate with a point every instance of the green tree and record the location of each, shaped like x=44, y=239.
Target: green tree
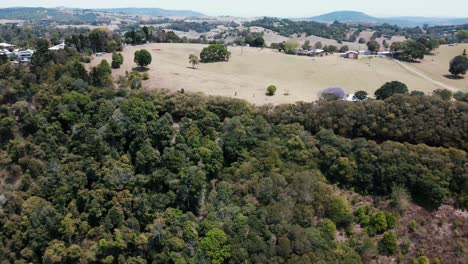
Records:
x=389, y=89
x=344, y=49
x=215, y=53
x=194, y=60
x=117, y=60
x=318, y=45
x=373, y=46
x=306, y=45
x=462, y=35
x=458, y=65
x=444, y=94
x=142, y=58
x=215, y=246
x=101, y=74
x=388, y=244
x=271, y=90
x=290, y=46
x=361, y=95
x=41, y=55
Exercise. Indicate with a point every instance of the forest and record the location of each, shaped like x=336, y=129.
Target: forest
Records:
x=93, y=171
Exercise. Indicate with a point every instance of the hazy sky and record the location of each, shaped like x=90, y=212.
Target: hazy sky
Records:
x=291, y=8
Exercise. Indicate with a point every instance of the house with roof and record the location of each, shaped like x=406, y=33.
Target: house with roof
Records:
x=24, y=55
x=351, y=55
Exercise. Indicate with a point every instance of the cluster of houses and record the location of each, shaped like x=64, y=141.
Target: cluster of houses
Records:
x=312, y=52
x=22, y=56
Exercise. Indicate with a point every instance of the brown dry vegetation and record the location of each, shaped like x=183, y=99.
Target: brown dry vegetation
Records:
x=438, y=234
x=251, y=70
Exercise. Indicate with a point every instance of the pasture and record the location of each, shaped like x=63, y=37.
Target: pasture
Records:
x=250, y=71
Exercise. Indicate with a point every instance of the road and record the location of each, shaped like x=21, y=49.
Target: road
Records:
x=437, y=83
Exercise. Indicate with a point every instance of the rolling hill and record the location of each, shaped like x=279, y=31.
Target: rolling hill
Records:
x=359, y=17
x=41, y=13
x=153, y=12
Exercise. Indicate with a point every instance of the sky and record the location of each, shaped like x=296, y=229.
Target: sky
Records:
x=291, y=8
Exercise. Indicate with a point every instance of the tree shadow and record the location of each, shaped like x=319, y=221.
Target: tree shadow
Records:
x=454, y=77
x=140, y=69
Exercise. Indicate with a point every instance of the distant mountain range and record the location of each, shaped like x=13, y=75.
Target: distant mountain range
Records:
x=359, y=17
x=40, y=13
x=61, y=14
x=152, y=12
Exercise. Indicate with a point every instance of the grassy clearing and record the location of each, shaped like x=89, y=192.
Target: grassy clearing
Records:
x=250, y=71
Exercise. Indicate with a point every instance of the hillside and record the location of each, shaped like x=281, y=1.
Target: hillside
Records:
x=153, y=12
x=52, y=14
x=345, y=17
x=359, y=17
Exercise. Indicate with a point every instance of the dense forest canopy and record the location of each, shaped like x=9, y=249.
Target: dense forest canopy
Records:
x=94, y=171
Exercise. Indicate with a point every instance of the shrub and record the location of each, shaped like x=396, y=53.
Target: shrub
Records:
x=412, y=226
x=215, y=53
x=391, y=88
x=271, y=90
x=117, y=60
x=143, y=58
x=444, y=94
x=361, y=95
x=458, y=65
x=388, y=244
x=145, y=76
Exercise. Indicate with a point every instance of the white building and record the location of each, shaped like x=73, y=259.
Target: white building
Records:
x=25, y=55
x=6, y=45
x=58, y=47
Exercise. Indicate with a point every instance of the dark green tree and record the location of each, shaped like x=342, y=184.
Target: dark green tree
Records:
x=391, y=88
x=458, y=65
x=142, y=58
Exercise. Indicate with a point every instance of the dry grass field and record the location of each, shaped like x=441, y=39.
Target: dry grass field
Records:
x=251, y=70
x=437, y=66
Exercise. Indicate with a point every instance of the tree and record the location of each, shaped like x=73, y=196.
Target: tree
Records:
x=101, y=74
x=318, y=45
x=361, y=95
x=344, y=49
x=271, y=90
x=408, y=50
x=290, y=46
x=388, y=244
x=373, y=46
x=215, y=246
x=142, y=58
x=117, y=60
x=458, y=65
x=391, y=88
x=194, y=60
x=444, y=94
x=215, y=53
x=462, y=35
x=362, y=40
x=385, y=44
x=430, y=43
x=41, y=56
x=306, y=45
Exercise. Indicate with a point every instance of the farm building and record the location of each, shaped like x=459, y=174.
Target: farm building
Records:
x=351, y=55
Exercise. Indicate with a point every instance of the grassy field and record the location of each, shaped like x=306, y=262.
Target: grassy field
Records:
x=251, y=70
x=437, y=66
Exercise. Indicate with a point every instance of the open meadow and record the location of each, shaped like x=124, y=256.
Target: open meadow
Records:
x=251, y=70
